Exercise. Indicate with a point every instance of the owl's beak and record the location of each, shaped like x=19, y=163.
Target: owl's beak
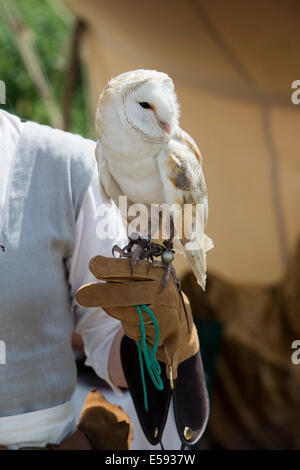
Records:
x=165, y=127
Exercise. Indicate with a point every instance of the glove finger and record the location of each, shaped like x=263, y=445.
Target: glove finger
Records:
x=115, y=294
x=119, y=268
x=129, y=316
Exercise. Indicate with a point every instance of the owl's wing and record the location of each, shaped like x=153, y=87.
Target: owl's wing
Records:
x=180, y=166
x=109, y=188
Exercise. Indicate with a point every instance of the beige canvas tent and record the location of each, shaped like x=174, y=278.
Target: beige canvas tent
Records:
x=233, y=64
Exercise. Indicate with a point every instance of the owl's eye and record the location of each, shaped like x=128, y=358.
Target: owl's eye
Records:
x=145, y=105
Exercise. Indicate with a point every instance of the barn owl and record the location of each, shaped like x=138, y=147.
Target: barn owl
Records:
x=143, y=154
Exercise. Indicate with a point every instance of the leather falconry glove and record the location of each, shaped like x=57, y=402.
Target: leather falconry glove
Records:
x=177, y=349
x=178, y=338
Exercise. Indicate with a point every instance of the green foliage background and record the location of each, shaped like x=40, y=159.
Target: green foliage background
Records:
x=53, y=26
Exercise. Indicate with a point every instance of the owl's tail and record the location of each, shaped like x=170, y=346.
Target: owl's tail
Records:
x=197, y=259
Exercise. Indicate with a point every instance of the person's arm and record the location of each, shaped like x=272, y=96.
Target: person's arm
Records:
x=101, y=333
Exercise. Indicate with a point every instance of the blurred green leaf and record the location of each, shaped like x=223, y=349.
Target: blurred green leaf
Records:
x=52, y=40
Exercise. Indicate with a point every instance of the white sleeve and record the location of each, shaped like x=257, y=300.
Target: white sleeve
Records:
x=94, y=325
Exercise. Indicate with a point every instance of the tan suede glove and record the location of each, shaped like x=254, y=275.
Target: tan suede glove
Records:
x=122, y=291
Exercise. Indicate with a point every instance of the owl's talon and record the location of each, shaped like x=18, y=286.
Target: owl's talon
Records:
x=143, y=248
x=135, y=256
x=166, y=276
x=120, y=251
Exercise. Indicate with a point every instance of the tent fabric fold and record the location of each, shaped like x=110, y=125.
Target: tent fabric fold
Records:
x=255, y=399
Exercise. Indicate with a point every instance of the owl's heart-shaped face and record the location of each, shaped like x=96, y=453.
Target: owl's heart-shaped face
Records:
x=150, y=107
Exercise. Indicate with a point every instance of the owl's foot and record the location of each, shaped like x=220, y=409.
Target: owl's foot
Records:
x=167, y=257
x=137, y=248
x=141, y=247
x=121, y=252
x=135, y=255
x=166, y=276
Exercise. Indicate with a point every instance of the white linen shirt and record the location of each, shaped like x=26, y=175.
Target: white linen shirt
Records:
x=96, y=327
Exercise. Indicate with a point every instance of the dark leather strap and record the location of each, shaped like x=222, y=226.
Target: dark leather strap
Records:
x=190, y=400
x=152, y=422
x=190, y=397
x=77, y=441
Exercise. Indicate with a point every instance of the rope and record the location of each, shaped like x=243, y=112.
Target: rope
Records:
x=151, y=362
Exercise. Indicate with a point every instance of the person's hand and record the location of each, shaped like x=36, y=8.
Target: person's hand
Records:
x=123, y=291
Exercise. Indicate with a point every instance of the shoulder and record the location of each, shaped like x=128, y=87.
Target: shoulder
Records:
x=10, y=129
x=67, y=159
x=59, y=144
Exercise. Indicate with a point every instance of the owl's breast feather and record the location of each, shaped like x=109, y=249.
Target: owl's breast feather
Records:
x=146, y=189
x=139, y=179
